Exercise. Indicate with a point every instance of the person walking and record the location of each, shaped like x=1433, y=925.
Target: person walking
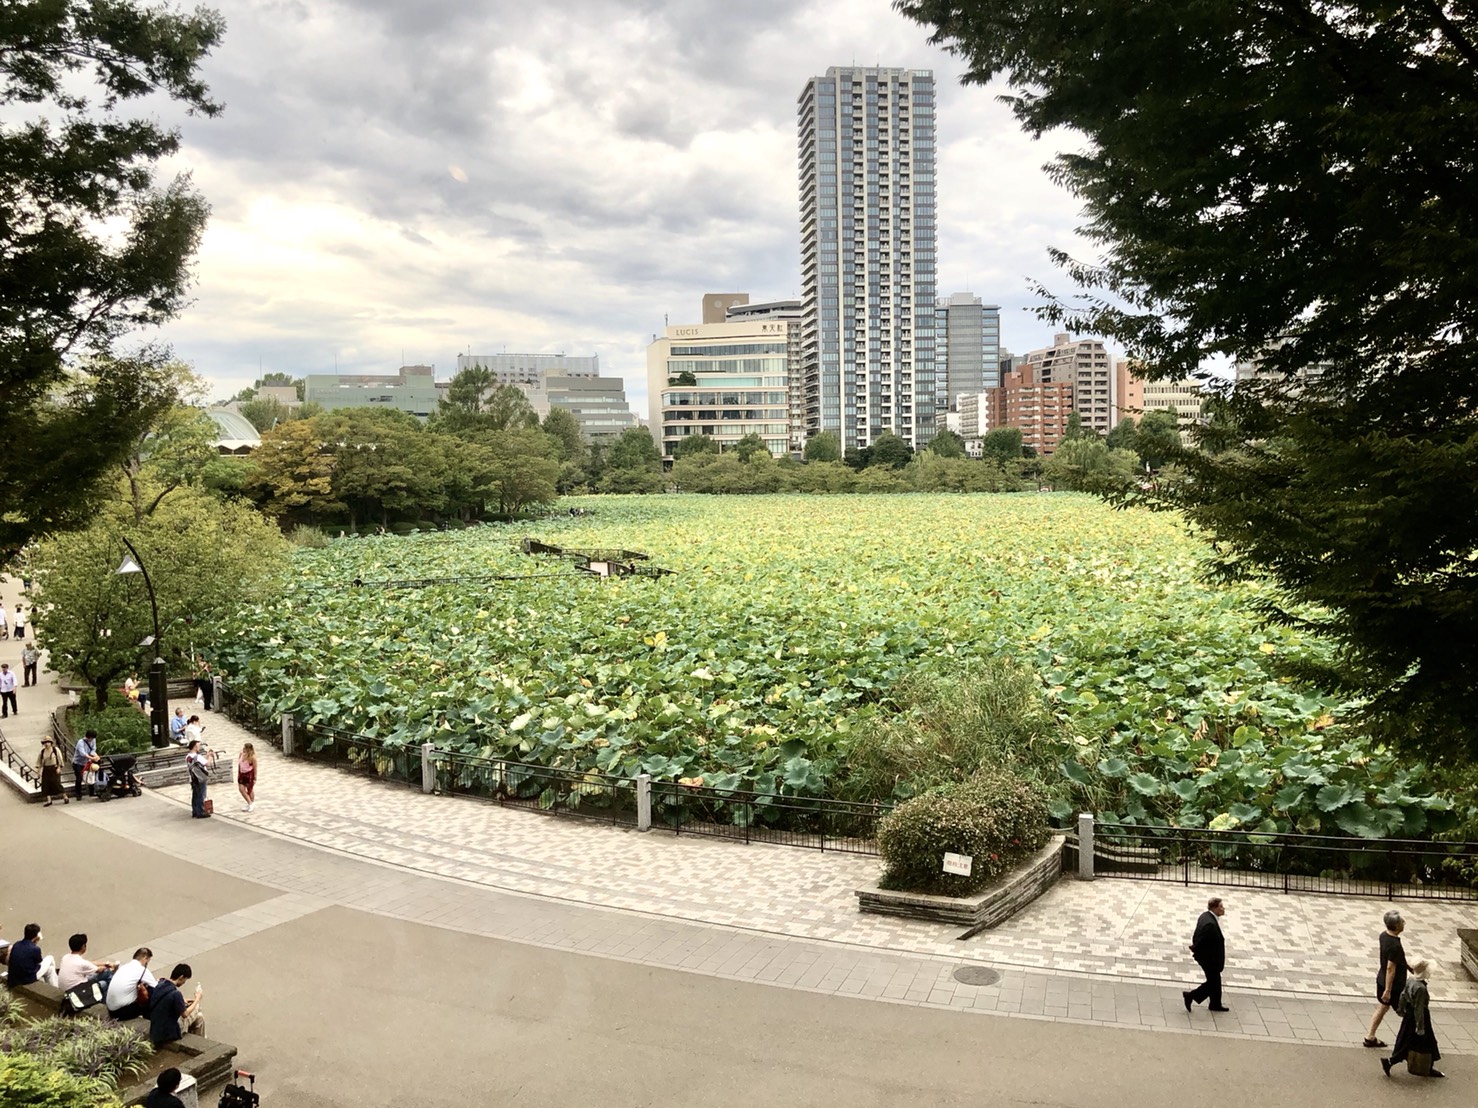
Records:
x=49, y=768
x=85, y=761
x=20, y=622
x=205, y=684
x=1416, y=1045
x=30, y=657
x=7, y=692
x=198, y=761
x=246, y=775
x=1208, y=947
x=4, y=623
x=1390, y=979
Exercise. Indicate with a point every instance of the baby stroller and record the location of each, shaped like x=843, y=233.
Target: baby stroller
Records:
x=117, y=778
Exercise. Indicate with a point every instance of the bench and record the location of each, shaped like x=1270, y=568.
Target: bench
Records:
x=208, y=1061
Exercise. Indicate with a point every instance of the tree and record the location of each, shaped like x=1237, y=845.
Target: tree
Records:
x=1122, y=435
x=92, y=246
x=694, y=444
x=1157, y=440
x=292, y=476
x=475, y=402
x=857, y=458
x=1003, y=445
x=1076, y=429
x=1297, y=181
x=750, y=446
x=204, y=557
x=264, y=413
x=1086, y=464
x=947, y=444
x=632, y=464
x=573, y=454
x=825, y=446
x=891, y=451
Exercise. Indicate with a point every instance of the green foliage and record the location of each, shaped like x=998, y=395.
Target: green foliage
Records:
x=120, y=730
x=92, y=245
x=1157, y=439
x=1076, y=429
x=824, y=446
x=1122, y=435
x=264, y=413
x=947, y=724
x=750, y=446
x=311, y=537
x=995, y=817
x=889, y=450
x=91, y=618
x=1003, y=445
x=694, y=444
x=226, y=475
x=819, y=476
x=27, y=1081
x=1086, y=464
x=947, y=444
x=1311, y=139
x=82, y=1048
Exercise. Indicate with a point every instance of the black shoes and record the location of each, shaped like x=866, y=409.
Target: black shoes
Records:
x=1223, y=1008
x=1436, y=1073
x=1385, y=1064
x=1186, y=996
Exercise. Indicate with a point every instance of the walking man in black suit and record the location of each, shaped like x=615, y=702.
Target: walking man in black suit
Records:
x=1209, y=949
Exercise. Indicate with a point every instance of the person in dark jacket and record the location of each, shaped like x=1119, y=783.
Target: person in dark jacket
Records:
x=170, y=1017
x=162, y=1095
x=1209, y=949
x=1415, y=1035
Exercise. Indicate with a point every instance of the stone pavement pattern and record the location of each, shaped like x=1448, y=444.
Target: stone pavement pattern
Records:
x=1305, y=944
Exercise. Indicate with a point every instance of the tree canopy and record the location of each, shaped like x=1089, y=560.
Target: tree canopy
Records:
x=92, y=245
x=1297, y=182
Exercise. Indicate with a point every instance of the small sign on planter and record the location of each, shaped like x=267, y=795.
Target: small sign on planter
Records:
x=960, y=864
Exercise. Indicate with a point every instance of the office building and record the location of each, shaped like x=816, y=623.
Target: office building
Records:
x=790, y=312
x=1128, y=397
x=1251, y=368
x=559, y=381
x=1184, y=398
x=1083, y=364
x=1039, y=407
x=967, y=347
x=868, y=263
x=725, y=380
x=413, y=389
x=973, y=414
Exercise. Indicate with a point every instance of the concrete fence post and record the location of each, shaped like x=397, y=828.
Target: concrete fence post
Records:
x=287, y=734
x=428, y=768
x=1085, y=846
x=215, y=694
x=644, y=802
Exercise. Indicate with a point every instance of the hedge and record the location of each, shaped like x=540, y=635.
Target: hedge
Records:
x=994, y=816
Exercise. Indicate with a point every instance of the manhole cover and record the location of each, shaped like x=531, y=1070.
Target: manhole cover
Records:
x=977, y=975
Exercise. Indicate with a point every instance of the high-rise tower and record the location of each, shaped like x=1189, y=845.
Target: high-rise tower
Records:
x=967, y=348
x=868, y=263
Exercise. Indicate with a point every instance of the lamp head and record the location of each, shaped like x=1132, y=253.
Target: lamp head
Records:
x=129, y=565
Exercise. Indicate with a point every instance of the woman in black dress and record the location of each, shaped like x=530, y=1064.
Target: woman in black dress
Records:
x=1390, y=979
x=50, y=767
x=1415, y=1035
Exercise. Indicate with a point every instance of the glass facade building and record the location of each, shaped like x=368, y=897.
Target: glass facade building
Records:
x=967, y=348
x=866, y=350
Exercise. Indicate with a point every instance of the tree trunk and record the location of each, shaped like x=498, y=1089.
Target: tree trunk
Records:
x=101, y=687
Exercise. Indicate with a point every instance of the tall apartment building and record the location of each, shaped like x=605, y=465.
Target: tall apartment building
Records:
x=1128, y=399
x=973, y=410
x=1251, y=368
x=789, y=312
x=868, y=262
x=724, y=380
x=1082, y=364
x=967, y=348
x=1039, y=407
x=558, y=381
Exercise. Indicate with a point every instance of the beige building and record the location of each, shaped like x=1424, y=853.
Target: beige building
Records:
x=1184, y=398
x=725, y=380
x=1082, y=364
x=974, y=413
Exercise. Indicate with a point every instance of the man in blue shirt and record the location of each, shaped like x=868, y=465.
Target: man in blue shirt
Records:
x=177, y=726
x=84, y=756
x=170, y=1017
x=27, y=964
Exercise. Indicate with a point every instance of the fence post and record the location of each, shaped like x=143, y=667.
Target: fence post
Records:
x=287, y=734
x=215, y=694
x=428, y=768
x=1085, y=846
x=644, y=802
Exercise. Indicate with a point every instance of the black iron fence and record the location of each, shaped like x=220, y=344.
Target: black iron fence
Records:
x=815, y=823
x=246, y=711
x=19, y=764
x=560, y=792
x=360, y=753
x=1389, y=868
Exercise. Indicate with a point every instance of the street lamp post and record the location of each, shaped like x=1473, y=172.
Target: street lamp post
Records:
x=158, y=681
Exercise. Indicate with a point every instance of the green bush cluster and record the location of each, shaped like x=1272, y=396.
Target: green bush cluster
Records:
x=121, y=729
x=995, y=817
x=65, y=1063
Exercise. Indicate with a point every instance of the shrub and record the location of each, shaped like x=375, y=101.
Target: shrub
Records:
x=32, y=1081
x=83, y=1048
x=121, y=730
x=995, y=817
x=311, y=538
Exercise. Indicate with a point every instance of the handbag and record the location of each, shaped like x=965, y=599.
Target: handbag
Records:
x=210, y=806
x=1419, y=1062
x=90, y=777
x=81, y=997
x=141, y=995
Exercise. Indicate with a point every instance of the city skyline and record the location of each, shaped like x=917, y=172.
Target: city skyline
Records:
x=447, y=180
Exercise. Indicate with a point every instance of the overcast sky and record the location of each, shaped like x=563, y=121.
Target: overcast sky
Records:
x=405, y=180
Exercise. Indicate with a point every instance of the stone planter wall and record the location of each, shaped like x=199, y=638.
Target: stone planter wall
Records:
x=988, y=908
x=155, y=768
x=1467, y=941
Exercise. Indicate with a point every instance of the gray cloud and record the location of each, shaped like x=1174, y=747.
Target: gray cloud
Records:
x=393, y=176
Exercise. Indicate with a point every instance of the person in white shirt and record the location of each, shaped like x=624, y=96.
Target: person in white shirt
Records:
x=122, y=999
x=75, y=968
x=7, y=691
x=4, y=623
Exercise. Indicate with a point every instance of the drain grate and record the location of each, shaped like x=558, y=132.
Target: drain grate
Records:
x=977, y=975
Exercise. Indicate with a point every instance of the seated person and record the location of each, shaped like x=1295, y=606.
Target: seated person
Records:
x=162, y=1095
x=27, y=964
x=170, y=1017
x=122, y=998
x=177, y=726
x=76, y=969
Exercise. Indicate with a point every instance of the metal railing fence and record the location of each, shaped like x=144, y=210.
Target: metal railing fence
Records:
x=360, y=753
x=814, y=823
x=563, y=792
x=19, y=764
x=246, y=711
x=1287, y=862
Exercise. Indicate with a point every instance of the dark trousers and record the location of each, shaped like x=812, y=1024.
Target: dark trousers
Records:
x=207, y=689
x=1210, y=989
x=197, y=796
x=7, y=704
x=30, y=673
x=77, y=772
